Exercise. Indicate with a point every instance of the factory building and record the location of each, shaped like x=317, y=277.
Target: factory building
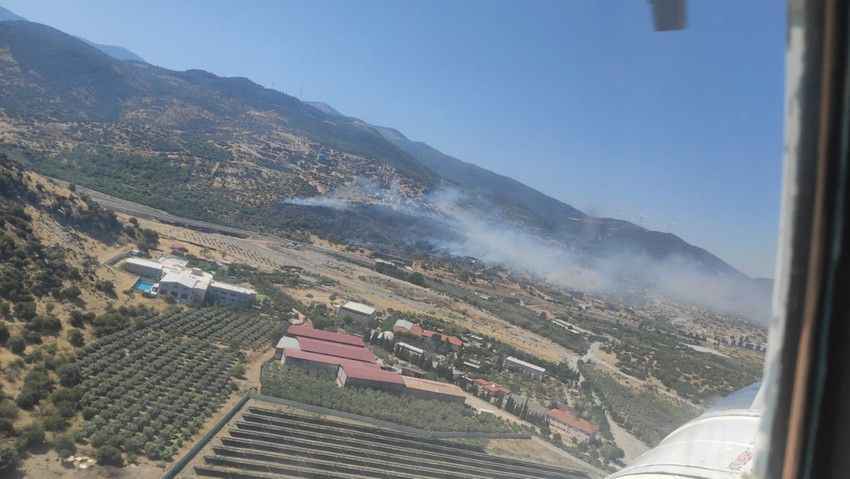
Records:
x=331, y=337
x=336, y=350
x=366, y=376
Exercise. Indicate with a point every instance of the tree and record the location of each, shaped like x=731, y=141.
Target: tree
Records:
x=17, y=344
x=416, y=278
x=4, y=332
x=9, y=461
x=238, y=370
x=108, y=455
x=613, y=453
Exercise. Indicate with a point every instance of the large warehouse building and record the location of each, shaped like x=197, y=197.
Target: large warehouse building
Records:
x=347, y=358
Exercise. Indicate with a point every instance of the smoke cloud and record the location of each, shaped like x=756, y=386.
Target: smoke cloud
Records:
x=477, y=228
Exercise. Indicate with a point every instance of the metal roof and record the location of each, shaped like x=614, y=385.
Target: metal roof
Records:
x=410, y=347
x=308, y=332
x=324, y=359
x=356, y=371
x=523, y=363
x=287, y=342
x=433, y=386
x=358, y=308
x=144, y=262
x=717, y=445
x=179, y=278
x=232, y=287
x=403, y=324
x=311, y=345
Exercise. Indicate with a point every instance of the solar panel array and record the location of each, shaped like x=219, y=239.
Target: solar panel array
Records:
x=265, y=443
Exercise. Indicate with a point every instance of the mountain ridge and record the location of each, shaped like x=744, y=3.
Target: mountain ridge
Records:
x=202, y=126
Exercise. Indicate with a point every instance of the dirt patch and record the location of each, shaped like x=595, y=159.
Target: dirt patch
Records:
x=48, y=464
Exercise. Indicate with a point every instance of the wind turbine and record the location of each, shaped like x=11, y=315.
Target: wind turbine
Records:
x=617, y=213
x=640, y=220
x=301, y=92
x=669, y=224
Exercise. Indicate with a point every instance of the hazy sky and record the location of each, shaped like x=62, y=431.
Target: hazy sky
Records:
x=579, y=99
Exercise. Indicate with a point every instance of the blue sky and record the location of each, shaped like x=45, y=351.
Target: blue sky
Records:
x=579, y=99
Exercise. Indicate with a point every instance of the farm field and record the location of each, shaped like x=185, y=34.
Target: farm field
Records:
x=149, y=389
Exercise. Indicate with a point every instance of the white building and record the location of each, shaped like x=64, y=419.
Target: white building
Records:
x=230, y=294
x=359, y=313
x=184, y=288
x=144, y=267
x=526, y=368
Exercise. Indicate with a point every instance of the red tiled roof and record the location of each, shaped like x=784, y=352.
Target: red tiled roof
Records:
x=492, y=387
x=356, y=371
x=565, y=408
x=572, y=420
x=443, y=337
x=308, y=332
x=335, y=349
x=324, y=359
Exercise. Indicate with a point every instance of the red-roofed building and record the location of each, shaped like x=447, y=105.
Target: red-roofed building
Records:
x=297, y=358
x=308, y=332
x=570, y=425
x=565, y=408
x=335, y=349
x=357, y=375
x=408, y=327
x=490, y=389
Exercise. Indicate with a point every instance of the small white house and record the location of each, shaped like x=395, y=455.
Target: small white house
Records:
x=358, y=313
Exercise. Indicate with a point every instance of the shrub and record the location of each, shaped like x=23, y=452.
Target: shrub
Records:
x=4, y=332
x=9, y=461
x=31, y=435
x=76, y=338
x=69, y=374
x=25, y=310
x=238, y=370
x=108, y=455
x=76, y=318
x=72, y=292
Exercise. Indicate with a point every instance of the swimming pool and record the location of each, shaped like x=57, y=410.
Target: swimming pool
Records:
x=143, y=285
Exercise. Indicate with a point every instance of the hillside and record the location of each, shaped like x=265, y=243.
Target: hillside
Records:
x=229, y=151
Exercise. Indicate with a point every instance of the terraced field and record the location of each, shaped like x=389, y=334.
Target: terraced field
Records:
x=261, y=442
